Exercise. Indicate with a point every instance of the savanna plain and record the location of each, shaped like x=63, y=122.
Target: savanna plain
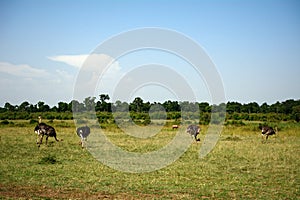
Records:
x=241, y=166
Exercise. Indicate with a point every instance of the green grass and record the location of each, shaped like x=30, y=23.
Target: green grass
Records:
x=241, y=166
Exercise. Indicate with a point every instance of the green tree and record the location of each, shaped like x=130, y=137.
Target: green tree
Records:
x=189, y=106
x=136, y=105
x=104, y=97
x=33, y=108
x=204, y=107
x=252, y=107
x=171, y=106
x=275, y=108
x=287, y=106
x=24, y=106
x=63, y=107
x=296, y=113
x=42, y=107
x=9, y=107
x=102, y=105
x=264, y=108
x=233, y=107
x=119, y=106
x=89, y=103
x=76, y=106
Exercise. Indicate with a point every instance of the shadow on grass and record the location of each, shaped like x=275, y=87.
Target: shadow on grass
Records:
x=49, y=159
x=232, y=138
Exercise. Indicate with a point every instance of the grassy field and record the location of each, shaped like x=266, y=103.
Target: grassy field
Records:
x=241, y=166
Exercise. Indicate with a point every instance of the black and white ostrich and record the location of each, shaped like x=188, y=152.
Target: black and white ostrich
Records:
x=193, y=130
x=83, y=132
x=43, y=129
x=266, y=131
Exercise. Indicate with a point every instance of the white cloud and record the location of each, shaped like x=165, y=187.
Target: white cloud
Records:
x=86, y=61
x=98, y=73
x=98, y=67
x=23, y=70
x=23, y=82
x=72, y=60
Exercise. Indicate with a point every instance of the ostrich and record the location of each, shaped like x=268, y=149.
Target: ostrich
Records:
x=83, y=132
x=193, y=130
x=43, y=129
x=267, y=131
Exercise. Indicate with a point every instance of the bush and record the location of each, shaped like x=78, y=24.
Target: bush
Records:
x=4, y=122
x=81, y=121
x=146, y=121
x=33, y=121
x=235, y=123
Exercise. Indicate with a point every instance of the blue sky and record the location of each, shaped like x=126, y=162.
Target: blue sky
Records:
x=255, y=45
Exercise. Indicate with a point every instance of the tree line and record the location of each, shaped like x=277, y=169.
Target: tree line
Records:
x=289, y=109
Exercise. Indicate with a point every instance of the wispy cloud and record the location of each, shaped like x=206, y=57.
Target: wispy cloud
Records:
x=93, y=66
x=20, y=82
x=22, y=70
x=71, y=60
x=24, y=82
x=98, y=73
x=91, y=62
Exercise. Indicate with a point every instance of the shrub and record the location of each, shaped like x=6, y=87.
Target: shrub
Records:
x=146, y=121
x=33, y=121
x=235, y=123
x=81, y=121
x=4, y=122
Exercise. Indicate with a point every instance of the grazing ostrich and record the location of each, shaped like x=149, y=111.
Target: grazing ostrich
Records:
x=43, y=129
x=83, y=132
x=266, y=131
x=193, y=130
